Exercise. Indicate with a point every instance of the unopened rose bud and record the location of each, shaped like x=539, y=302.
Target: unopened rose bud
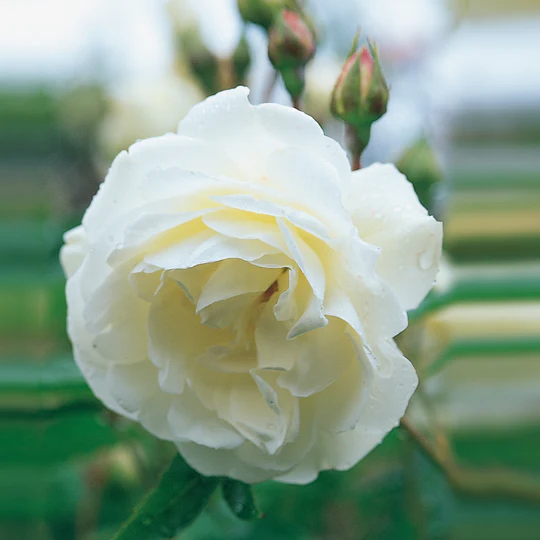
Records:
x=291, y=41
x=291, y=45
x=360, y=96
x=261, y=12
x=419, y=163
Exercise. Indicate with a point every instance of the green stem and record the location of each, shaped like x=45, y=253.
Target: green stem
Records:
x=356, y=161
x=172, y=505
x=357, y=140
x=225, y=73
x=294, y=80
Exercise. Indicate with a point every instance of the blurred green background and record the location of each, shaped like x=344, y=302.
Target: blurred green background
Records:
x=70, y=470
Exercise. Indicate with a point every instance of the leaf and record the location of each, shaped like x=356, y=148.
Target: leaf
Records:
x=239, y=498
x=178, y=499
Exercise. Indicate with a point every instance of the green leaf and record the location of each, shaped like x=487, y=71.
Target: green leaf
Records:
x=178, y=499
x=239, y=498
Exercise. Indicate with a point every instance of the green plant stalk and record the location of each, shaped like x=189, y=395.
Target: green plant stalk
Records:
x=357, y=139
x=489, y=482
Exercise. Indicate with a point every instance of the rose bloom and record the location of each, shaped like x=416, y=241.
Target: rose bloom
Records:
x=235, y=288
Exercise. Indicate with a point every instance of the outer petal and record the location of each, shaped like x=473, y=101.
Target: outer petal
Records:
x=311, y=182
x=222, y=462
x=248, y=463
x=386, y=211
x=92, y=365
x=74, y=250
x=225, y=120
x=249, y=134
x=291, y=127
x=125, y=187
x=389, y=395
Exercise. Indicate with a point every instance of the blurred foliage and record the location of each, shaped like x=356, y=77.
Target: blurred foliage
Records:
x=205, y=66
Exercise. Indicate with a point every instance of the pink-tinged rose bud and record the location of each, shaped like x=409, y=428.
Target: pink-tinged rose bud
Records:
x=360, y=96
x=291, y=45
x=291, y=41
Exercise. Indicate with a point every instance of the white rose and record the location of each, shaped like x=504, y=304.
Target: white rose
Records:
x=235, y=289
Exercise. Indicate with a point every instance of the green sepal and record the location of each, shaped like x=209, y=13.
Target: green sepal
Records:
x=240, y=500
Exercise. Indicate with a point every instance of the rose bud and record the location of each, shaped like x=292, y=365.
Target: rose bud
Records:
x=360, y=95
x=291, y=41
x=291, y=45
x=261, y=12
x=419, y=163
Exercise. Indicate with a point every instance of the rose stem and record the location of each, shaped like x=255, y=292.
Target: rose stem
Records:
x=225, y=73
x=496, y=482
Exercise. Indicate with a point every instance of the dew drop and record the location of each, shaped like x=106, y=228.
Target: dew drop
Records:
x=426, y=260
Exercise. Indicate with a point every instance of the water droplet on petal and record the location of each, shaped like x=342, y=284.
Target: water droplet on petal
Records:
x=426, y=260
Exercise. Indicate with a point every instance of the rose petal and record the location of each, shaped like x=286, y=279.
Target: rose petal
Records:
x=234, y=278
x=386, y=211
x=321, y=356
x=190, y=421
x=291, y=127
x=206, y=247
x=176, y=336
x=74, y=250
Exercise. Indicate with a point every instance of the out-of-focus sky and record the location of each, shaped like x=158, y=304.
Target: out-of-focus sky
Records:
x=436, y=61
x=52, y=39
x=58, y=39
